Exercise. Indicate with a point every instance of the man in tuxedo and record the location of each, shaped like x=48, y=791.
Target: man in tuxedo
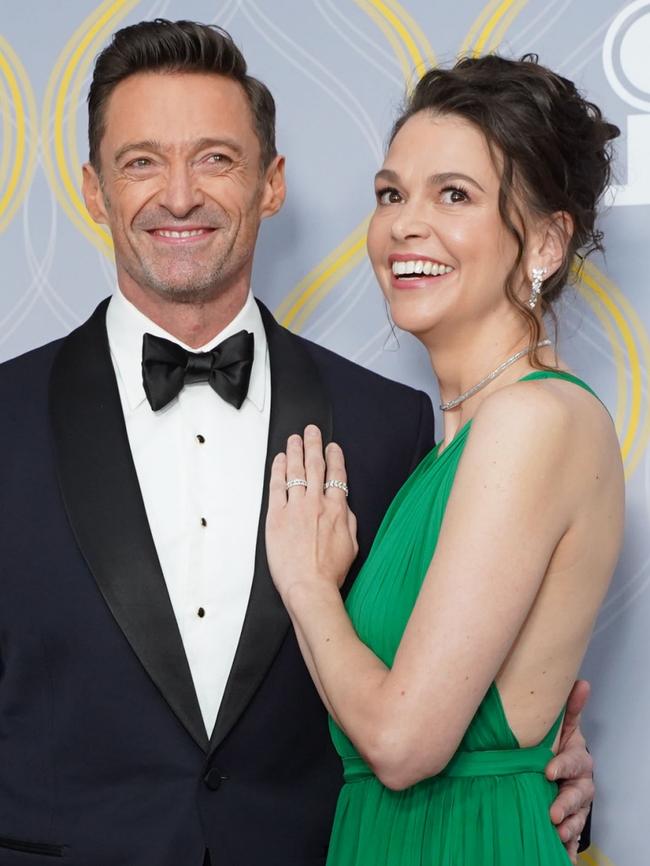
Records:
x=154, y=707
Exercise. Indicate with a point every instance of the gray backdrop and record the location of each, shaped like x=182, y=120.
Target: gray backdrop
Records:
x=338, y=69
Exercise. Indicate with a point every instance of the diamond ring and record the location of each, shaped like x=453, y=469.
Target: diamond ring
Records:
x=340, y=485
x=295, y=482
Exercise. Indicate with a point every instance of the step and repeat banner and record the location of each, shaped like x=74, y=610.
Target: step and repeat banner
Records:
x=339, y=70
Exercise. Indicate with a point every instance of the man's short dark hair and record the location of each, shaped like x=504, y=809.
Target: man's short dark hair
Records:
x=176, y=46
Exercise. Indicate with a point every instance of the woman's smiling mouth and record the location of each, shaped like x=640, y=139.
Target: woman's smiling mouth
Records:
x=416, y=271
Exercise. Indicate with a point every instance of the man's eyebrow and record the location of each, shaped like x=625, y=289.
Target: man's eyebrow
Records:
x=148, y=144
x=221, y=141
x=391, y=176
x=153, y=146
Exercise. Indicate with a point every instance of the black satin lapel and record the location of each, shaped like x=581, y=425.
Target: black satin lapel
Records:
x=298, y=398
x=102, y=498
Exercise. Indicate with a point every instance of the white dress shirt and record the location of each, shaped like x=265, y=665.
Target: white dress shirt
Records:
x=200, y=464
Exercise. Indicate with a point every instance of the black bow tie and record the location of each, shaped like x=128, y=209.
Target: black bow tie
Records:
x=166, y=367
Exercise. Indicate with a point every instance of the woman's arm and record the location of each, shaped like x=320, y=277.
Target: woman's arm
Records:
x=510, y=505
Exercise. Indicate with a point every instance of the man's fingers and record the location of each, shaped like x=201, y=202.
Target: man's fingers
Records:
x=571, y=764
x=578, y=698
x=571, y=829
x=571, y=800
x=572, y=851
x=576, y=703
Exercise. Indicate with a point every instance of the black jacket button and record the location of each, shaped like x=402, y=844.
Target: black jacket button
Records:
x=212, y=779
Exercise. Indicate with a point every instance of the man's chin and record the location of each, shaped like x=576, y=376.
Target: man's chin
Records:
x=182, y=289
x=186, y=294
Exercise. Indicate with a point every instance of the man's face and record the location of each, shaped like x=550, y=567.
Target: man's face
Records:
x=181, y=185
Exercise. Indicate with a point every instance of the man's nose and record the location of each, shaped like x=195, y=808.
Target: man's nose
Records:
x=181, y=193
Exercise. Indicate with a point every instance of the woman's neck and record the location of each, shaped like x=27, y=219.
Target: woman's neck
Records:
x=461, y=363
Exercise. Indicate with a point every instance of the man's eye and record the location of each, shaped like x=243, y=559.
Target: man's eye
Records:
x=388, y=196
x=217, y=159
x=140, y=162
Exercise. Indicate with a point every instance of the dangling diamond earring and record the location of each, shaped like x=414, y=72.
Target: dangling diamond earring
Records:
x=536, y=286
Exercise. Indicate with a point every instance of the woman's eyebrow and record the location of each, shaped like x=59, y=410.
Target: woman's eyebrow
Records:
x=391, y=176
x=446, y=176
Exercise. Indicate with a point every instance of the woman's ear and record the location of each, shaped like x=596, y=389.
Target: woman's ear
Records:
x=550, y=241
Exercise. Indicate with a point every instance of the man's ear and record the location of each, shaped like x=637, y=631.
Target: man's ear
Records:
x=91, y=187
x=274, y=188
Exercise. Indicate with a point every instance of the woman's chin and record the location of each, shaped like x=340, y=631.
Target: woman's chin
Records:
x=416, y=322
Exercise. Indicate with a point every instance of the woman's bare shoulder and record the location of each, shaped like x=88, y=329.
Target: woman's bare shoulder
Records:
x=551, y=410
x=546, y=429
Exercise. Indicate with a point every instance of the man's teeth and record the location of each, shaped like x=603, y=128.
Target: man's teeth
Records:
x=419, y=266
x=186, y=234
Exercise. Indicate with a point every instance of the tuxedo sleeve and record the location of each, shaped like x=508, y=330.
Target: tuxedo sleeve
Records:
x=425, y=438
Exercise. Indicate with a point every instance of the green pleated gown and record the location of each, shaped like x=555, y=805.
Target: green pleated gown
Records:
x=490, y=806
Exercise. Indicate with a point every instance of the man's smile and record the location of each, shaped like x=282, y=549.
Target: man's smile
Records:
x=185, y=236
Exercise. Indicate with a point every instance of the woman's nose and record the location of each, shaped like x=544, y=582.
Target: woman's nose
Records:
x=409, y=222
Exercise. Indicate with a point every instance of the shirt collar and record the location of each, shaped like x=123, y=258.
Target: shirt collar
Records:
x=126, y=327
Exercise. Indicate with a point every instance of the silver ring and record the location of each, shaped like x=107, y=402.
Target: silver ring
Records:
x=295, y=482
x=340, y=485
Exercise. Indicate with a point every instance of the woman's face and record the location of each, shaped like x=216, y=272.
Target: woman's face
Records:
x=437, y=243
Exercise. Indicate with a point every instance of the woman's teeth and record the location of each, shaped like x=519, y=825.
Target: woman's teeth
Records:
x=419, y=266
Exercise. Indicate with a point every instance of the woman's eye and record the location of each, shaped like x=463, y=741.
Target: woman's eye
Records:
x=454, y=195
x=388, y=196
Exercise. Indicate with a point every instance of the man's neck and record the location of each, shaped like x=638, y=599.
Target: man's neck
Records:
x=194, y=324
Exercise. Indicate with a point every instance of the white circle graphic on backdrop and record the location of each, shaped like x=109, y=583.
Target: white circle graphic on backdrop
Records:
x=626, y=46
x=634, y=53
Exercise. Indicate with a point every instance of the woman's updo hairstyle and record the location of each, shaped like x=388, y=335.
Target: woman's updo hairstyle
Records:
x=553, y=146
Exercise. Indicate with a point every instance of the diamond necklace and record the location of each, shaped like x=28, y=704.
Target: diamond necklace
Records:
x=451, y=404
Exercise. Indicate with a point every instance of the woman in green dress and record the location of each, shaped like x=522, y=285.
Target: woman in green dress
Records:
x=447, y=672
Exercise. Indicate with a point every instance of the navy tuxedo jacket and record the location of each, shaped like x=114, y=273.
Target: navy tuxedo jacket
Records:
x=104, y=759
